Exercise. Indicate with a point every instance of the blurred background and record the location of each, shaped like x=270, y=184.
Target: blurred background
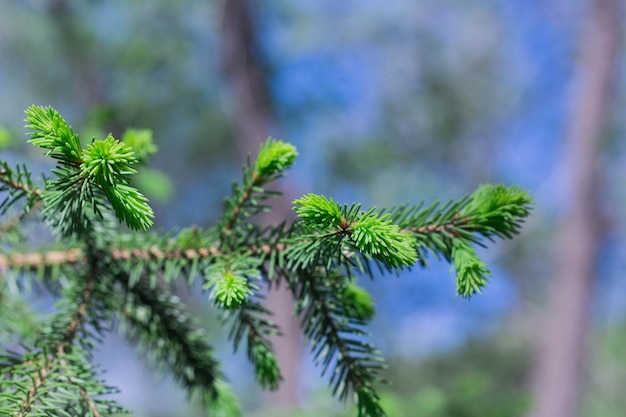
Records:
x=387, y=102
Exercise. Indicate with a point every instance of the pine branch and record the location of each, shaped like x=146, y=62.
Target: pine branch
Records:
x=36, y=260
x=86, y=178
x=250, y=321
x=107, y=274
x=159, y=324
x=233, y=285
x=240, y=203
x=79, y=315
x=334, y=330
x=17, y=184
x=274, y=157
x=50, y=376
x=451, y=227
x=7, y=178
x=427, y=232
x=59, y=351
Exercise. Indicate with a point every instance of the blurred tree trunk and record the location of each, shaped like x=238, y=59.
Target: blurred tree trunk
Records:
x=558, y=377
x=241, y=65
x=76, y=51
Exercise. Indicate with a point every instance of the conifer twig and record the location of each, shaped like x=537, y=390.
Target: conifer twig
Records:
x=245, y=197
x=90, y=403
x=56, y=257
x=157, y=321
x=447, y=227
x=59, y=350
x=5, y=179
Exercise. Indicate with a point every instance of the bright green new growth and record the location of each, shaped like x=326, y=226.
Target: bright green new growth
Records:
x=104, y=274
x=224, y=404
x=130, y=206
x=471, y=272
x=318, y=212
x=497, y=210
x=374, y=235
x=494, y=210
x=274, y=156
x=108, y=161
x=229, y=280
x=51, y=131
x=231, y=290
x=104, y=167
x=379, y=238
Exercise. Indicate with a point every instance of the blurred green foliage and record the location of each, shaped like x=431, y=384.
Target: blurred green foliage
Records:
x=6, y=139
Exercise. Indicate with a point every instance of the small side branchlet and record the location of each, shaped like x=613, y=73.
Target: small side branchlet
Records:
x=103, y=167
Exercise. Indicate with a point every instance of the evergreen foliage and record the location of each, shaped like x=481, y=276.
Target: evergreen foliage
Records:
x=110, y=277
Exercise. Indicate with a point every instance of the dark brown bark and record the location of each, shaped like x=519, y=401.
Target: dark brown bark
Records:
x=558, y=377
x=241, y=66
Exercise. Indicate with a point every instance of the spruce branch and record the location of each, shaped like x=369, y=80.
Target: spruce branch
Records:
x=498, y=211
x=471, y=272
x=232, y=280
x=330, y=226
x=108, y=274
x=237, y=205
x=58, y=374
x=337, y=339
x=36, y=260
x=250, y=321
x=379, y=238
x=167, y=338
x=274, y=157
x=319, y=212
x=13, y=181
x=434, y=229
x=242, y=306
x=85, y=176
x=51, y=132
x=17, y=184
x=450, y=231
x=490, y=211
